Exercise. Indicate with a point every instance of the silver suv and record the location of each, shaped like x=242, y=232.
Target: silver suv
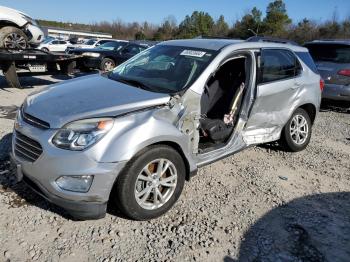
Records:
x=132, y=137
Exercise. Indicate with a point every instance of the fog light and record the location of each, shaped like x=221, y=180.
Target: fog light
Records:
x=75, y=183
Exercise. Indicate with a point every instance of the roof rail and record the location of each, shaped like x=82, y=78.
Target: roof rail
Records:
x=271, y=40
x=216, y=37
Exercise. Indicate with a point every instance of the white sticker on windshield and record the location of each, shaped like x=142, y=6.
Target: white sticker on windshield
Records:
x=193, y=53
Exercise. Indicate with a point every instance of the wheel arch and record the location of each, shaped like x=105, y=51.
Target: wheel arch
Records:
x=174, y=145
x=171, y=144
x=310, y=110
x=109, y=57
x=178, y=148
x=4, y=23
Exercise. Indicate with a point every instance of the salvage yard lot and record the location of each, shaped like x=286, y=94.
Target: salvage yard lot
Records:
x=243, y=207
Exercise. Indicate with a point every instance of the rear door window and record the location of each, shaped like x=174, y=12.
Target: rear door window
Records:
x=131, y=49
x=278, y=64
x=103, y=42
x=336, y=53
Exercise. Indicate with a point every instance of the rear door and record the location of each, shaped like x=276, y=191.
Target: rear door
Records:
x=54, y=46
x=278, y=85
x=128, y=51
x=62, y=45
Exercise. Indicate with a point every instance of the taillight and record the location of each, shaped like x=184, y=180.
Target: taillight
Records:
x=344, y=72
x=321, y=84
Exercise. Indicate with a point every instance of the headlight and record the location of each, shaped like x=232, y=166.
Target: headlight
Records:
x=75, y=183
x=91, y=54
x=81, y=134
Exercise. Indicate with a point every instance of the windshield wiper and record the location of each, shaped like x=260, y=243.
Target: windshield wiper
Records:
x=133, y=82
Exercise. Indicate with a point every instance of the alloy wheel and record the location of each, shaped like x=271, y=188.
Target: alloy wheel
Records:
x=15, y=40
x=108, y=66
x=155, y=184
x=299, y=129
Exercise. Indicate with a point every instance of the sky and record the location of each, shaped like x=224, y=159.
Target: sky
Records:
x=154, y=11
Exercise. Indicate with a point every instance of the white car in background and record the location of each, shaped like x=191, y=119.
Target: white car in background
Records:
x=18, y=30
x=54, y=45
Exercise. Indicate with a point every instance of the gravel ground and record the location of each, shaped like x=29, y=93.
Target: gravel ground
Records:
x=262, y=204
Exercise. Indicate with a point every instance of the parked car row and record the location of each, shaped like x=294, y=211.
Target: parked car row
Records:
x=108, y=55
x=93, y=43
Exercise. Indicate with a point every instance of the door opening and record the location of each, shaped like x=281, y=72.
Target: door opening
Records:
x=220, y=104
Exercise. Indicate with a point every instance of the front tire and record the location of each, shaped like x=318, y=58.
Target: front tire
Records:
x=107, y=64
x=296, y=134
x=13, y=38
x=150, y=184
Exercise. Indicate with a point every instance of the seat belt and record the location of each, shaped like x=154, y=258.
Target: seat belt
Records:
x=229, y=118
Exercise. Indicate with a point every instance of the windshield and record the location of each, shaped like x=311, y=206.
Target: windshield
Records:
x=114, y=46
x=164, y=69
x=336, y=53
x=90, y=42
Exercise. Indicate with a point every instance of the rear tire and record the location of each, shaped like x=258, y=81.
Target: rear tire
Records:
x=13, y=37
x=107, y=64
x=296, y=134
x=141, y=176
x=45, y=49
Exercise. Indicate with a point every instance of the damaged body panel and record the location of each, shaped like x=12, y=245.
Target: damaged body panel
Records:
x=134, y=135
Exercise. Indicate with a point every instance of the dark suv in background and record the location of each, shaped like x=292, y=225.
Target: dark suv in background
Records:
x=332, y=58
x=107, y=56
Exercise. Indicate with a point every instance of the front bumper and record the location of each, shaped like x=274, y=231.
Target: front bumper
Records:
x=336, y=92
x=78, y=209
x=54, y=162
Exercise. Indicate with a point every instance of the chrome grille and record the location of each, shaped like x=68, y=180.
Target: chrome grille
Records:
x=34, y=121
x=27, y=148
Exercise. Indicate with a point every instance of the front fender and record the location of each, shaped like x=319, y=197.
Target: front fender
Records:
x=132, y=133
x=17, y=20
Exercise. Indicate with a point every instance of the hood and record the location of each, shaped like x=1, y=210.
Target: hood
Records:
x=14, y=16
x=86, y=97
x=11, y=11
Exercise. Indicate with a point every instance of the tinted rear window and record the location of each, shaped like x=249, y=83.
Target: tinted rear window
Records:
x=336, y=53
x=277, y=65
